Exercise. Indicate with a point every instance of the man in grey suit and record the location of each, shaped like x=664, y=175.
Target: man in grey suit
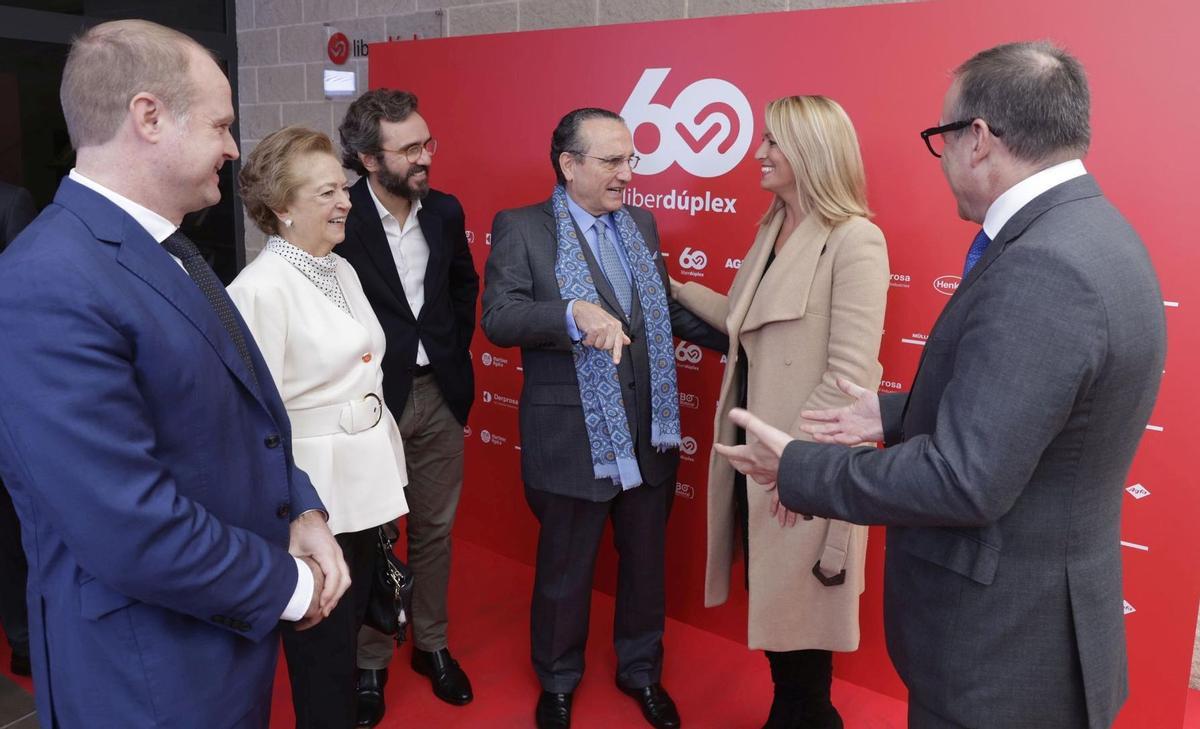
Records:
x=1002, y=478
x=578, y=283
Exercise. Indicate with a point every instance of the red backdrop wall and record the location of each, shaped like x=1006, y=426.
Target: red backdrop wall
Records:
x=694, y=90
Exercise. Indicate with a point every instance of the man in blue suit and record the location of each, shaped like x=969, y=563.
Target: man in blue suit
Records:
x=145, y=446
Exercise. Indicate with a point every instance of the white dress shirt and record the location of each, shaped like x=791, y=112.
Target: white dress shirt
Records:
x=1022, y=193
x=160, y=229
x=410, y=251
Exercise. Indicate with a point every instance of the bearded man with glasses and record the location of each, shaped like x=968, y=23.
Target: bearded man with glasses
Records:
x=408, y=244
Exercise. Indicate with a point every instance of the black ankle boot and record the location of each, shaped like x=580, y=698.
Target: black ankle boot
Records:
x=802, y=683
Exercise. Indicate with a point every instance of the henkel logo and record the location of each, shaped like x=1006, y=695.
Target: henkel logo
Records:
x=693, y=258
x=685, y=490
x=338, y=48
x=707, y=130
x=688, y=353
x=688, y=446
x=947, y=284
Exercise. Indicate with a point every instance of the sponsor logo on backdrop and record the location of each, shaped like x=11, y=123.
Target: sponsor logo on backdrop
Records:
x=891, y=385
x=486, y=359
x=685, y=490
x=916, y=338
x=947, y=284
x=490, y=438
x=688, y=400
x=1129, y=608
x=692, y=261
x=733, y=263
x=466, y=431
x=688, y=447
x=494, y=398
x=901, y=280
x=688, y=355
x=470, y=237
x=706, y=130
x=1138, y=491
x=493, y=360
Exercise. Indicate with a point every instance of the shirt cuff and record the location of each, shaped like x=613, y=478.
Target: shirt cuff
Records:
x=573, y=330
x=302, y=597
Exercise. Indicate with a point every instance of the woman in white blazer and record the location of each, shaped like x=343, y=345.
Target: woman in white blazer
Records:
x=323, y=345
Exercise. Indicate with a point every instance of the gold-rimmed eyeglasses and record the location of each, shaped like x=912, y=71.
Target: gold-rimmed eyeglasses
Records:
x=412, y=152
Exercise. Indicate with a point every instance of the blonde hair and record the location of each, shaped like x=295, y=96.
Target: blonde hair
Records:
x=269, y=177
x=817, y=138
x=113, y=62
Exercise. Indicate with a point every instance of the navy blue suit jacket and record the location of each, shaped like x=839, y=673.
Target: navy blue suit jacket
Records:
x=154, y=483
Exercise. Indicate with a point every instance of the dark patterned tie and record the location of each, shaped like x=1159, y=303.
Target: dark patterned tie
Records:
x=198, y=269
x=978, y=246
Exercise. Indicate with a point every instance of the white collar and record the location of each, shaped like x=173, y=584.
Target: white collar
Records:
x=384, y=213
x=156, y=225
x=1022, y=193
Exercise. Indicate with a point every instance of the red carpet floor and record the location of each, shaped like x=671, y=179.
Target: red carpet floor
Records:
x=716, y=682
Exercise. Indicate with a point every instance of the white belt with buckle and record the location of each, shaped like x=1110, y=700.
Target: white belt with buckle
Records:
x=346, y=417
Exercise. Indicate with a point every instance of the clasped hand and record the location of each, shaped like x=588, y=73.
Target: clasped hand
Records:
x=312, y=543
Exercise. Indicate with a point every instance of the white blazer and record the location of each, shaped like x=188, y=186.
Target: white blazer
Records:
x=320, y=357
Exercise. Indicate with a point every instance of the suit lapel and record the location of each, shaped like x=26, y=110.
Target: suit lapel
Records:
x=369, y=230
x=431, y=228
x=138, y=253
x=782, y=293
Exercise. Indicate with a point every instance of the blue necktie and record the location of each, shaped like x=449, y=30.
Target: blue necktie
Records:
x=978, y=246
x=610, y=263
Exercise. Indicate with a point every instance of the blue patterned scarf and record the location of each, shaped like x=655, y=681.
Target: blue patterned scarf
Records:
x=599, y=388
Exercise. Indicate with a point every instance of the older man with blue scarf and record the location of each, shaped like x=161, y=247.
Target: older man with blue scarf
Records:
x=577, y=282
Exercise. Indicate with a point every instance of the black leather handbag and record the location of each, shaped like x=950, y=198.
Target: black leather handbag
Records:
x=390, y=603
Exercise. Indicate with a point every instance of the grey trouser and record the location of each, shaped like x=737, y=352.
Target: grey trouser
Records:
x=433, y=451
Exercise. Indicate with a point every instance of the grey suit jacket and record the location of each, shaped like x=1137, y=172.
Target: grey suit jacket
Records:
x=523, y=307
x=1002, y=480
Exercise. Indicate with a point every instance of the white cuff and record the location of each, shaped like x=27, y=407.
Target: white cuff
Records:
x=302, y=597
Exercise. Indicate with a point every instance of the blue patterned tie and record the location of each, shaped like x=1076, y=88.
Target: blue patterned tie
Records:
x=978, y=246
x=610, y=263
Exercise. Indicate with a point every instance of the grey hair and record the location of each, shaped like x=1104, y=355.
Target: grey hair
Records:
x=1033, y=94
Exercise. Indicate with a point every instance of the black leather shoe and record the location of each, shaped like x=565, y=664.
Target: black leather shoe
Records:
x=368, y=703
x=553, y=711
x=450, y=684
x=19, y=664
x=656, y=705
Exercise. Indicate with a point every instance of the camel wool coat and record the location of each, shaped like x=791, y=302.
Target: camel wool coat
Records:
x=817, y=314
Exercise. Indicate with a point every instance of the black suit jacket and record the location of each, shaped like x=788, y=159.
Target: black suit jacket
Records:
x=447, y=320
x=16, y=211
x=523, y=306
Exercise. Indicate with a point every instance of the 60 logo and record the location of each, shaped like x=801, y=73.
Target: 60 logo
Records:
x=693, y=258
x=706, y=131
x=688, y=353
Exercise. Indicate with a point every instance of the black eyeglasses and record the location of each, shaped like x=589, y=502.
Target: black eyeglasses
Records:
x=412, y=152
x=611, y=164
x=935, y=142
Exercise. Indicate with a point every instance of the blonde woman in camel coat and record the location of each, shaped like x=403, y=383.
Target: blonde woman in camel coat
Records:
x=805, y=308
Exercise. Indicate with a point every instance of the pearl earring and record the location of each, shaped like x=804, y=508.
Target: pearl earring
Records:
x=287, y=222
